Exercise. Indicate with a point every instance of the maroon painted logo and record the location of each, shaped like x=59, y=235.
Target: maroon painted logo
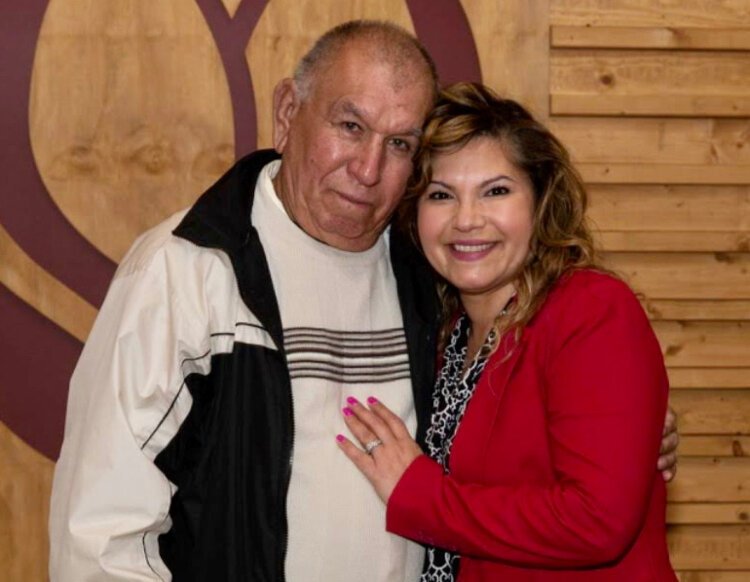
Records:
x=37, y=357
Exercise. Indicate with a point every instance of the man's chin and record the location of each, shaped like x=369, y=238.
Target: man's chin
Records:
x=348, y=236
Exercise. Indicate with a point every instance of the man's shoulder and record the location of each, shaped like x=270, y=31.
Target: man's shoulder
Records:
x=159, y=247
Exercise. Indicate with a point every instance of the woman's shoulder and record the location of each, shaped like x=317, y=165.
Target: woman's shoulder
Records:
x=591, y=282
x=589, y=291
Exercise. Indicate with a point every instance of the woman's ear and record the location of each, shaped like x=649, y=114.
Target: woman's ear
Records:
x=285, y=106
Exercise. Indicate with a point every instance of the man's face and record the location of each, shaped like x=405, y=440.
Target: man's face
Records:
x=347, y=148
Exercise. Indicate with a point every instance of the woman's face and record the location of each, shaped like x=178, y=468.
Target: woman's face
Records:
x=475, y=219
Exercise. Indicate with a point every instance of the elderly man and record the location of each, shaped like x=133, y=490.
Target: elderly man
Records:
x=199, y=437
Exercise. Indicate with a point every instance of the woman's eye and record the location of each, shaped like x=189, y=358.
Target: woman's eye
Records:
x=498, y=191
x=438, y=195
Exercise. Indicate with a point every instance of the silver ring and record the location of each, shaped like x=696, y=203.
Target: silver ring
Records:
x=372, y=445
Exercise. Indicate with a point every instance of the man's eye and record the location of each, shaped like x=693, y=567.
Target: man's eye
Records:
x=401, y=144
x=351, y=126
x=498, y=191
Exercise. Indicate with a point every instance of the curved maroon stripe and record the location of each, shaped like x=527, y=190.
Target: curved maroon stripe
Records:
x=444, y=29
x=231, y=36
x=26, y=208
x=36, y=361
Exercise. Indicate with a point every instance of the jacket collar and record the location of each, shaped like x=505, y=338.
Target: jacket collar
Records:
x=220, y=219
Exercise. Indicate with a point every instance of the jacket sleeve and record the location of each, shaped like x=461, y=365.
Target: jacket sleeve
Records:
x=606, y=398
x=126, y=401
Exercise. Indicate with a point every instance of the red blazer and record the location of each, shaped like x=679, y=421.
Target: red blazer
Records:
x=553, y=469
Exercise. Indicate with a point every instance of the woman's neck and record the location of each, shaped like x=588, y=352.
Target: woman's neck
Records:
x=482, y=311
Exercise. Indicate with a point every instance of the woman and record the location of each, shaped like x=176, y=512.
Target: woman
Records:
x=549, y=404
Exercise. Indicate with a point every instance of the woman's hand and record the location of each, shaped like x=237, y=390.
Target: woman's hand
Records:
x=391, y=448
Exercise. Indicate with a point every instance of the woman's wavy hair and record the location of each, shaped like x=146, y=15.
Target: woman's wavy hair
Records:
x=561, y=239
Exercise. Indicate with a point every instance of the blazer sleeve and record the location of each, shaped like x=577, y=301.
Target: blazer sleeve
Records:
x=606, y=400
x=109, y=500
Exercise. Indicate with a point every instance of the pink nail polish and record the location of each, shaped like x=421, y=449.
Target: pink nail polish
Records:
x=347, y=411
x=340, y=438
x=371, y=400
x=352, y=400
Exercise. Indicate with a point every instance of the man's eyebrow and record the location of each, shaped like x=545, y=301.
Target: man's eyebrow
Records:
x=347, y=106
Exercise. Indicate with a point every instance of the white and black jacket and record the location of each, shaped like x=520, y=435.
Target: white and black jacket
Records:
x=179, y=428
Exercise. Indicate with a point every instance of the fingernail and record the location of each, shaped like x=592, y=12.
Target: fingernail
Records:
x=352, y=400
x=347, y=411
x=371, y=400
x=340, y=438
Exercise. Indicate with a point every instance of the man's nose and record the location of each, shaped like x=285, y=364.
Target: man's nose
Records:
x=367, y=164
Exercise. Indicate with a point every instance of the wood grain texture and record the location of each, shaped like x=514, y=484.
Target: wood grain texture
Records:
x=130, y=115
x=694, y=105
x=703, y=13
x=714, y=446
x=286, y=31
x=657, y=142
x=646, y=73
x=663, y=174
x=709, y=480
x=27, y=280
x=714, y=412
x=699, y=378
x=512, y=39
x=709, y=547
x=25, y=485
x=231, y=6
x=686, y=310
x=710, y=344
x=665, y=208
x=712, y=576
x=615, y=82
x=673, y=241
x=708, y=513
x=650, y=37
x=685, y=275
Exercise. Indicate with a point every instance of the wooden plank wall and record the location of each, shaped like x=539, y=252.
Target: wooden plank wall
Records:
x=651, y=96
x=653, y=99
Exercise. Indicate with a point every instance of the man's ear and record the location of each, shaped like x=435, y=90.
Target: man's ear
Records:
x=285, y=106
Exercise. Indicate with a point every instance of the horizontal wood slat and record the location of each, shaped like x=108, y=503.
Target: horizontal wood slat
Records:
x=712, y=411
x=685, y=275
x=712, y=576
x=659, y=208
x=692, y=105
x=707, y=13
x=707, y=513
x=652, y=37
x=713, y=445
x=700, y=378
x=674, y=241
x=662, y=141
x=709, y=547
x=711, y=344
x=719, y=479
x=686, y=310
x=616, y=82
x=649, y=73
x=663, y=174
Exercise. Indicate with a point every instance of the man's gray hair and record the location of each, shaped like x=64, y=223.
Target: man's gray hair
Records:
x=391, y=42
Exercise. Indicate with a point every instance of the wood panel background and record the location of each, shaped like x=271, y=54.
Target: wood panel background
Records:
x=130, y=117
